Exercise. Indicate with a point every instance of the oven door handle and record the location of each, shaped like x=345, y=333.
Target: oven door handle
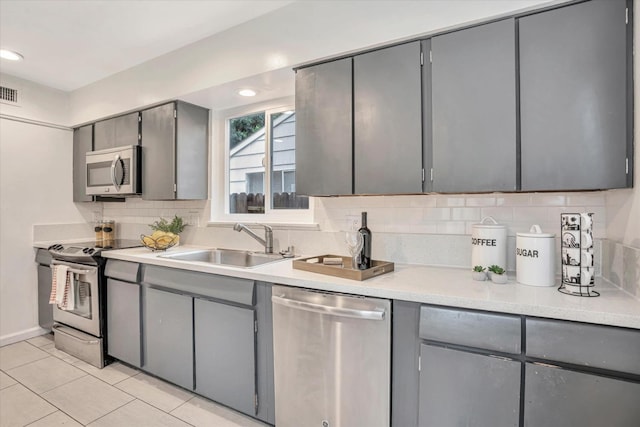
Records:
x=116, y=159
x=76, y=271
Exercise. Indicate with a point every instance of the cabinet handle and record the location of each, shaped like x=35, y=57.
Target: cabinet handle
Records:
x=324, y=309
x=116, y=159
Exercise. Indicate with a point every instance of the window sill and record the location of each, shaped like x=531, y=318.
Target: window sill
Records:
x=274, y=225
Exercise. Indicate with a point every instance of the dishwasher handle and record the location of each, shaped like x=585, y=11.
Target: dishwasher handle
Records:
x=324, y=309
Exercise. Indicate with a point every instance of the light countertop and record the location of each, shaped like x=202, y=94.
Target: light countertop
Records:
x=432, y=285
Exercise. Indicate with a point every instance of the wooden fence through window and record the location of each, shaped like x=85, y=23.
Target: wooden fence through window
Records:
x=254, y=203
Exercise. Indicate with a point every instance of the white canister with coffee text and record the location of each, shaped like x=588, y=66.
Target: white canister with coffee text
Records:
x=489, y=243
x=535, y=257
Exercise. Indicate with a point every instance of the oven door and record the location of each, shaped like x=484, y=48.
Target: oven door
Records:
x=84, y=288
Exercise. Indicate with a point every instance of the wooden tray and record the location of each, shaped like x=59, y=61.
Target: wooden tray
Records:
x=345, y=271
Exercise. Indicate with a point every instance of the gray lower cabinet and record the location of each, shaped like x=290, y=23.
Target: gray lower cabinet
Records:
x=117, y=131
x=225, y=354
x=474, y=109
x=168, y=336
x=124, y=311
x=461, y=388
x=124, y=331
x=461, y=367
x=175, y=152
x=324, y=137
x=45, y=310
x=82, y=144
x=562, y=397
x=208, y=333
x=387, y=118
x=574, y=91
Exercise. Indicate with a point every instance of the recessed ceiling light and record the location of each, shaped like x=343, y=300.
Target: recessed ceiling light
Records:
x=247, y=92
x=10, y=55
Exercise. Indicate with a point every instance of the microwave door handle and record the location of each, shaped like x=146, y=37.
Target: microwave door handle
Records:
x=116, y=159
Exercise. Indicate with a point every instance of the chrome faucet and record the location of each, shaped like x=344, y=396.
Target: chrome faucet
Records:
x=267, y=242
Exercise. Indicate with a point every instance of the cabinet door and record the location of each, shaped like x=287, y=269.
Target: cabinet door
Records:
x=324, y=137
x=168, y=336
x=387, y=121
x=225, y=354
x=460, y=388
x=159, y=153
x=192, y=151
x=82, y=143
x=474, y=109
x=123, y=321
x=45, y=310
x=559, y=397
x=116, y=132
x=573, y=97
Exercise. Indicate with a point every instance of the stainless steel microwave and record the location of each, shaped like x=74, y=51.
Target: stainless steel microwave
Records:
x=114, y=171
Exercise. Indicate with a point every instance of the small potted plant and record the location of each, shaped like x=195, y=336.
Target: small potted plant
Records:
x=498, y=274
x=479, y=273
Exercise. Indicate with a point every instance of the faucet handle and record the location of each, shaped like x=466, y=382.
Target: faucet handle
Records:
x=288, y=253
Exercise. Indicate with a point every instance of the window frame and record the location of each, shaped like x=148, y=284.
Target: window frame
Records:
x=220, y=178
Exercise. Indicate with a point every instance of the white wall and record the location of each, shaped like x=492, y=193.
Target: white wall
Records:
x=35, y=187
x=301, y=32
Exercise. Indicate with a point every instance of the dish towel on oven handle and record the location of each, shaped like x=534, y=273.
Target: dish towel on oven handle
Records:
x=62, y=292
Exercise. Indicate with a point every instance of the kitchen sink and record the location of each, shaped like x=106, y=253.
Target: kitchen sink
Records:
x=230, y=257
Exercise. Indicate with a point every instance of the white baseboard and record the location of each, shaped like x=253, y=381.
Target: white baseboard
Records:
x=22, y=335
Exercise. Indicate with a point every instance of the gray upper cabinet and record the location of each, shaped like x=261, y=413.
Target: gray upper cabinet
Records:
x=117, y=132
x=175, y=152
x=324, y=129
x=82, y=143
x=573, y=97
x=474, y=109
x=387, y=121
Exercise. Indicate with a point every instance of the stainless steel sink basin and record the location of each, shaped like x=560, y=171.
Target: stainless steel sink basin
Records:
x=235, y=258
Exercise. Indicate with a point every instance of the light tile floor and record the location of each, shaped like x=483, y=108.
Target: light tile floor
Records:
x=41, y=386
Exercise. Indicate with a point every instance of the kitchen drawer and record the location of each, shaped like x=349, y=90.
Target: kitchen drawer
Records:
x=490, y=331
x=225, y=288
x=584, y=344
x=123, y=270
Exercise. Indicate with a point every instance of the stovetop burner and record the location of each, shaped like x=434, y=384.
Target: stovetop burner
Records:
x=88, y=251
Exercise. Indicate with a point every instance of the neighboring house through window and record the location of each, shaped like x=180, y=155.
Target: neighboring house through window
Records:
x=251, y=188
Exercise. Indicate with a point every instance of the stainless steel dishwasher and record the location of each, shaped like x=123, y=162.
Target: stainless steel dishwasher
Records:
x=332, y=356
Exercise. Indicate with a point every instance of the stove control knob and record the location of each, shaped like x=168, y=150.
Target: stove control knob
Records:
x=85, y=250
x=90, y=251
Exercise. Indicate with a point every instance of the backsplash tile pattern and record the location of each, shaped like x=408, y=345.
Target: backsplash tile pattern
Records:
x=621, y=266
x=447, y=214
x=431, y=229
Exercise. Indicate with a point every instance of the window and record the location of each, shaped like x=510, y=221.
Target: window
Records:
x=261, y=184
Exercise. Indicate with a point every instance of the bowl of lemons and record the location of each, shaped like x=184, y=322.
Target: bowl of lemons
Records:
x=165, y=234
x=160, y=240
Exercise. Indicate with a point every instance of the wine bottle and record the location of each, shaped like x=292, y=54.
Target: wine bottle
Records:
x=364, y=261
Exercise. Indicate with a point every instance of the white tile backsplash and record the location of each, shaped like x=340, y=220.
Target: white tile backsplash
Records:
x=428, y=229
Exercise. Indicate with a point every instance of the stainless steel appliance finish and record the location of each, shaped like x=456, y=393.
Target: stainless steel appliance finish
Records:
x=332, y=356
x=114, y=171
x=81, y=332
